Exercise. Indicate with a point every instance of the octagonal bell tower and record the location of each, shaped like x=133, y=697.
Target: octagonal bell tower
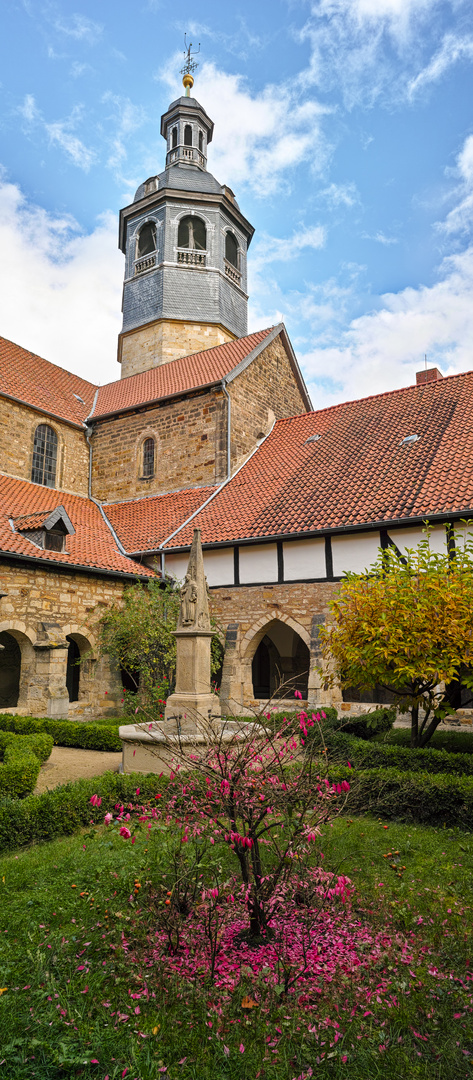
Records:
x=185, y=242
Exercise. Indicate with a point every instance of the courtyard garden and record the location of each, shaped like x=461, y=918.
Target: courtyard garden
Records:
x=125, y=931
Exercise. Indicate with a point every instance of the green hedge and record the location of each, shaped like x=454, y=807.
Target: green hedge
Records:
x=454, y=742
x=86, y=736
x=66, y=809
x=426, y=798
x=374, y=755
x=21, y=757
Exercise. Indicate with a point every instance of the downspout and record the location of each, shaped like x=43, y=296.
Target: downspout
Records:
x=229, y=429
x=88, y=433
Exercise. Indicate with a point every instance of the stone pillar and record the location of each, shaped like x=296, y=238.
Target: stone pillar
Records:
x=193, y=699
x=51, y=666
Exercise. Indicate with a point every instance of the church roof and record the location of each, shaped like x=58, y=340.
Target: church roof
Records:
x=91, y=547
x=29, y=378
x=184, y=177
x=351, y=465
x=178, y=376
x=143, y=524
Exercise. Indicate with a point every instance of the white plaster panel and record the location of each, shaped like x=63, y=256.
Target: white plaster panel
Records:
x=410, y=538
x=258, y=563
x=176, y=565
x=218, y=566
x=356, y=552
x=463, y=532
x=304, y=559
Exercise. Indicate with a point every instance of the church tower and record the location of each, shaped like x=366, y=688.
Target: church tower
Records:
x=185, y=242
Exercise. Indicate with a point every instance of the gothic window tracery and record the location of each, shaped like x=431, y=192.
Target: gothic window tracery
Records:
x=43, y=469
x=146, y=239
x=192, y=234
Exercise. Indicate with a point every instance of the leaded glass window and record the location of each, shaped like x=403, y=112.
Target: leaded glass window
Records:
x=148, y=457
x=44, y=456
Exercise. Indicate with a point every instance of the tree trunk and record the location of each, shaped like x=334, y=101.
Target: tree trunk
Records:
x=415, y=725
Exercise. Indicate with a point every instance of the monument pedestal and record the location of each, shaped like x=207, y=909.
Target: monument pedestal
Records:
x=192, y=699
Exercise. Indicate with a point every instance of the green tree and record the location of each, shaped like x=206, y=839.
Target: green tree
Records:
x=406, y=624
x=138, y=635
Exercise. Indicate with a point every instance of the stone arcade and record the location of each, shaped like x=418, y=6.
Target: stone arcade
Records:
x=209, y=428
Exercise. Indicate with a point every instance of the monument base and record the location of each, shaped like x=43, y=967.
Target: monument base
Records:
x=154, y=748
x=191, y=711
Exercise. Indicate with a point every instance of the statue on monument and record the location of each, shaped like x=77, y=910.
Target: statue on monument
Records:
x=194, y=610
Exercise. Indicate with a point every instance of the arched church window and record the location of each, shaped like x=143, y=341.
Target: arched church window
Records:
x=44, y=456
x=174, y=138
x=148, y=459
x=188, y=135
x=192, y=234
x=231, y=249
x=146, y=239
x=201, y=142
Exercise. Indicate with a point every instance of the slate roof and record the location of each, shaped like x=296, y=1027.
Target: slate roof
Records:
x=31, y=379
x=176, y=377
x=92, y=546
x=143, y=524
x=357, y=473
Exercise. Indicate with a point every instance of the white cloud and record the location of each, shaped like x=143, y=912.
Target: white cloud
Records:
x=336, y=195
x=60, y=132
x=126, y=118
x=452, y=49
x=79, y=27
x=380, y=238
x=259, y=138
x=460, y=218
x=60, y=289
x=383, y=349
x=281, y=249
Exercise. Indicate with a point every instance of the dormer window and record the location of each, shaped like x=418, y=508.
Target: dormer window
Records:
x=45, y=529
x=187, y=135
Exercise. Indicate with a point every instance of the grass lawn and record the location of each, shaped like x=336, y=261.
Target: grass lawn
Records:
x=75, y=1002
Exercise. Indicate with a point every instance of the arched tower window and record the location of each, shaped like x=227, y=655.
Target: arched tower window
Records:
x=187, y=135
x=147, y=464
x=201, y=142
x=146, y=239
x=231, y=249
x=192, y=234
x=174, y=138
x=44, y=456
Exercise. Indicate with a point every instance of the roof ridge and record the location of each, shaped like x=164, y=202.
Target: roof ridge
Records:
x=371, y=397
x=177, y=359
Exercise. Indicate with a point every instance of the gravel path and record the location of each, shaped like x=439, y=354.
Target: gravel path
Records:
x=66, y=763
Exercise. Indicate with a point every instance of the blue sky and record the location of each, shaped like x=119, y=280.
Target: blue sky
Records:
x=345, y=128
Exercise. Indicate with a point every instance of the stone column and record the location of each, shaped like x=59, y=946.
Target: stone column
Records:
x=193, y=700
x=51, y=666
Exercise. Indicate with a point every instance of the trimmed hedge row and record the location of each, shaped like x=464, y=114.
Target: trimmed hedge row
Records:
x=66, y=809
x=454, y=742
x=375, y=755
x=426, y=798
x=85, y=736
x=21, y=756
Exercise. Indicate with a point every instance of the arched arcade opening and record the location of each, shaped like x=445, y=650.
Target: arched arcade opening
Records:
x=280, y=663
x=10, y=671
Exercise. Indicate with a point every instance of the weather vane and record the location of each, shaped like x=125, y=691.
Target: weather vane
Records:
x=190, y=65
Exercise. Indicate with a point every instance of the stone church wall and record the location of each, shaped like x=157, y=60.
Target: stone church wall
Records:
x=266, y=384
x=18, y=424
x=190, y=439
x=42, y=608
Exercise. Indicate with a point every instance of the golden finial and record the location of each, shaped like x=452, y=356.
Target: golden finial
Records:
x=190, y=65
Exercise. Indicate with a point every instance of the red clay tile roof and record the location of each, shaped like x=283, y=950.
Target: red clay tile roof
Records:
x=177, y=376
x=92, y=545
x=143, y=524
x=357, y=472
x=46, y=387
x=31, y=521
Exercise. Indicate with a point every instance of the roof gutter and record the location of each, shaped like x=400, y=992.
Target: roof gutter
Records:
x=72, y=568
x=79, y=424
x=139, y=405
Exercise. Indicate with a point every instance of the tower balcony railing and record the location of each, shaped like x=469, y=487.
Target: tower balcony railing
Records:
x=232, y=272
x=145, y=264
x=191, y=257
x=185, y=153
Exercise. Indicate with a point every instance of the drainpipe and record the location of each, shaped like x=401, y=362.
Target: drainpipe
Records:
x=88, y=432
x=163, y=565
x=229, y=429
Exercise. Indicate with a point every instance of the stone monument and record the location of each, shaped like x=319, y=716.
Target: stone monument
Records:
x=193, y=699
